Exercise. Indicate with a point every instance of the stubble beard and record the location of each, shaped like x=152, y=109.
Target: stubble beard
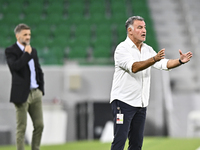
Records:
x=25, y=42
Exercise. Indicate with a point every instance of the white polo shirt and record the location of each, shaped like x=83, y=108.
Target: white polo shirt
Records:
x=133, y=88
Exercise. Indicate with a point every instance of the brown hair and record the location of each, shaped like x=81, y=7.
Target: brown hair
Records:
x=21, y=27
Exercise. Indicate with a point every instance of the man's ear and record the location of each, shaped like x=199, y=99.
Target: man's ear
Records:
x=17, y=36
x=129, y=30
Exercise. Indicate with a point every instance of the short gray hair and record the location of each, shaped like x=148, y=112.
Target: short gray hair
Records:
x=21, y=27
x=131, y=20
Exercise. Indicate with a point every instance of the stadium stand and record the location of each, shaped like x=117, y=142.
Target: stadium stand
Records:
x=72, y=26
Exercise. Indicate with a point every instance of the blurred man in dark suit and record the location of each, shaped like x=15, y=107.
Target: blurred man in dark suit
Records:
x=27, y=86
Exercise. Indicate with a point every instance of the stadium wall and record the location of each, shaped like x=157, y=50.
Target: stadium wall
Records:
x=68, y=85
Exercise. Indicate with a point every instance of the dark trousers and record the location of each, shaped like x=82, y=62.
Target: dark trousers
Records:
x=132, y=127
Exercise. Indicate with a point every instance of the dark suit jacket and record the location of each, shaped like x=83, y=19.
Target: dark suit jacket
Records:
x=18, y=64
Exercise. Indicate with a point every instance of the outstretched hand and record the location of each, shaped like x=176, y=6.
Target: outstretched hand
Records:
x=185, y=57
x=160, y=55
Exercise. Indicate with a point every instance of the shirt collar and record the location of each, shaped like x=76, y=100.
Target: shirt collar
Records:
x=20, y=46
x=130, y=43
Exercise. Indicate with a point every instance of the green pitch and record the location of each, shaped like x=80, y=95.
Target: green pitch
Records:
x=150, y=143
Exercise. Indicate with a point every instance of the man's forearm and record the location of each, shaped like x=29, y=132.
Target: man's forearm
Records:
x=173, y=63
x=141, y=65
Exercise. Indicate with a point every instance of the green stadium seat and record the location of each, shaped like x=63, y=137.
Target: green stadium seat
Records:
x=75, y=7
x=77, y=52
x=40, y=40
x=2, y=8
x=118, y=6
x=6, y=41
x=43, y=30
x=97, y=7
x=32, y=19
x=61, y=41
x=55, y=9
x=83, y=29
x=53, y=2
x=82, y=40
x=2, y=43
x=40, y=50
x=11, y=19
x=119, y=17
x=75, y=18
x=101, y=52
x=6, y=30
x=34, y=8
x=31, y=1
x=103, y=40
x=50, y=59
x=97, y=18
x=71, y=42
x=54, y=19
x=10, y=41
x=58, y=53
x=100, y=3
x=43, y=53
x=52, y=56
x=62, y=30
x=103, y=28
x=3, y=1
x=139, y=4
x=15, y=6
x=121, y=32
x=141, y=8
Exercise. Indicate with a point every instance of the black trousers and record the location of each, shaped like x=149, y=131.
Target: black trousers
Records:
x=132, y=127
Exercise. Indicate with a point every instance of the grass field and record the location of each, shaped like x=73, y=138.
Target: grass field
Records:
x=150, y=143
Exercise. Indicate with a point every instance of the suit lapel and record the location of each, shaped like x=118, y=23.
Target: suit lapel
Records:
x=17, y=49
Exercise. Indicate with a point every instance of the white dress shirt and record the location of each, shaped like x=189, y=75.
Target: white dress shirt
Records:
x=31, y=64
x=128, y=87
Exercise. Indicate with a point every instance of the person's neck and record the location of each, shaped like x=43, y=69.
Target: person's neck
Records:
x=136, y=42
x=21, y=43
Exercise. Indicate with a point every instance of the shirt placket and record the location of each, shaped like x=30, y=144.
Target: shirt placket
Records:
x=142, y=76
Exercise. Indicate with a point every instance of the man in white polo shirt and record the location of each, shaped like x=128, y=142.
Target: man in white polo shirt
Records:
x=131, y=83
